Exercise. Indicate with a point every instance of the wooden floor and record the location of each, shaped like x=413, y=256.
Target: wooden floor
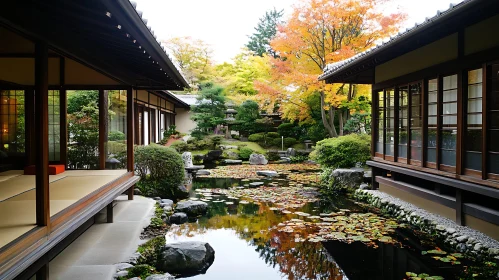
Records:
x=17, y=196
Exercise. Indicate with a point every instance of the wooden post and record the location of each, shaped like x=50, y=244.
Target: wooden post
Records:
x=459, y=207
x=41, y=151
x=43, y=272
x=130, y=110
x=103, y=127
x=63, y=100
x=109, y=212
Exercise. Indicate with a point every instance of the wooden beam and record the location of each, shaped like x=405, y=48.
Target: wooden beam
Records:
x=485, y=144
x=29, y=103
x=63, y=102
x=103, y=128
x=461, y=120
x=42, y=116
x=130, y=110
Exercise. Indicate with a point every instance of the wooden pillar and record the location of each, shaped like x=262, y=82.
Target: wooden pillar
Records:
x=43, y=272
x=459, y=207
x=130, y=110
x=103, y=127
x=64, y=112
x=109, y=212
x=41, y=151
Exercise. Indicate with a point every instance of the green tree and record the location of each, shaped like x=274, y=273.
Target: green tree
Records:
x=246, y=117
x=265, y=31
x=209, y=110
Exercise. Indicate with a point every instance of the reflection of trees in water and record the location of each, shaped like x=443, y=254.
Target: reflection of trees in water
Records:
x=254, y=223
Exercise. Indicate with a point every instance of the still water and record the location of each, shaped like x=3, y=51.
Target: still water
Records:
x=248, y=245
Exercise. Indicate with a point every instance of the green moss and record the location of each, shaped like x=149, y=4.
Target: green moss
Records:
x=150, y=250
x=142, y=271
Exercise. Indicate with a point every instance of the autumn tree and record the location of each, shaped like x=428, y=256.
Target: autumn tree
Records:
x=265, y=31
x=320, y=32
x=194, y=58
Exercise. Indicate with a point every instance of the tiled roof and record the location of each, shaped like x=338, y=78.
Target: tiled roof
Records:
x=333, y=68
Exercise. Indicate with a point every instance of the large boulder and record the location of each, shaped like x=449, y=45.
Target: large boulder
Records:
x=181, y=192
x=268, y=173
x=186, y=258
x=165, y=276
x=192, y=208
x=178, y=218
x=213, y=156
x=350, y=178
x=187, y=158
x=290, y=152
x=258, y=159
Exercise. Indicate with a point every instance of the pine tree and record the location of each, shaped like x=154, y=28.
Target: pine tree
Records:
x=265, y=31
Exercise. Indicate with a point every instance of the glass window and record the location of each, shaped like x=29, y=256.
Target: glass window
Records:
x=390, y=122
x=431, y=140
x=380, y=121
x=449, y=121
x=473, y=141
x=12, y=119
x=493, y=119
x=117, y=139
x=416, y=125
x=403, y=121
x=54, y=126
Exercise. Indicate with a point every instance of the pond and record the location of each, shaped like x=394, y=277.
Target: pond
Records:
x=284, y=231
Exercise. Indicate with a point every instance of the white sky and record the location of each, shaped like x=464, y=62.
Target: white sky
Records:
x=226, y=24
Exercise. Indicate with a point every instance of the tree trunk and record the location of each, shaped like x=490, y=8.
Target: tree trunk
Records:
x=340, y=115
x=327, y=122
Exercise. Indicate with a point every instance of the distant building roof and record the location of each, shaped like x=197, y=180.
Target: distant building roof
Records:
x=187, y=98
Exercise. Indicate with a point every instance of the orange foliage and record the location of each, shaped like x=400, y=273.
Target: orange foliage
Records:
x=320, y=32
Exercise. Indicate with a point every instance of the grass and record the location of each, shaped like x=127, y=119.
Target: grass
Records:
x=252, y=145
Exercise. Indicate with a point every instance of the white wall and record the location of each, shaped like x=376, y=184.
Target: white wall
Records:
x=183, y=120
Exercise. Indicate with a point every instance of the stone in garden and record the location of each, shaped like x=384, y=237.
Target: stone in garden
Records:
x=165, y=276
x=192, y=208
x=450, y=230
x=364, y=187
x=291, y=152
x=134, y=278
x=122, y=273
x=351, y=178
x=133, y=259
x=213, y=155
x=186, y=258
x=178, y=218
x=122, y=266
x=203, y=172
x=478, y=247
x=167, y=208
x=233, y=161
x=255, y=184
x=231, y=155
x=187, y=158
x=182, y=192
x=257, y=159
x=268, y=173
x=493, y=251
x=136, y=191
x=368, y=176
x=165, y=202
x=440, y=227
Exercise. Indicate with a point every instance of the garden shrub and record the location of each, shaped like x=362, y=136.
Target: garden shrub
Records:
x=288, y=142
x=165, y=167
x=287, y=129
x=199, y=144
x=150, y=250
x=273, y=155
x=298, y=158
x=180, y=146
x=216, y=140
x=116, y=136
x=245, y=153
x=344, y=151
x=273, y=135
x=141, y=271
x=257, y=137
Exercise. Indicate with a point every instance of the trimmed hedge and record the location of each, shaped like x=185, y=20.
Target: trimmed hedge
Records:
x=165, y=167
x=257, y=137
x=245, y=153
x=344, y=151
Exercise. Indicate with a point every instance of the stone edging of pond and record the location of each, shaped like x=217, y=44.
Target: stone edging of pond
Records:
x=461, y=238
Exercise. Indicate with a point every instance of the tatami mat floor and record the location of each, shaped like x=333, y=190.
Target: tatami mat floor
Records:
x=17, y=196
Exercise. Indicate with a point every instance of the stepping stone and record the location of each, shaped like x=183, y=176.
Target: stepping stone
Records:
x=256, y=184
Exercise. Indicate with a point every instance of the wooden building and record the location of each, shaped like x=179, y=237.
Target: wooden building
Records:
x=53, y=54
x=436, y=113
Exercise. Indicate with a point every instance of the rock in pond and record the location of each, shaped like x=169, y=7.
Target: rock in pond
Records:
x=165, y=202
x=268, y=173
x=192, y=208
x=203, y=172
x=351, y=178
x=290, y=152
x=233, y=161
x=182, y=192
x=186, y=258
x=165, y=276
x=178, y=218
x=255, y=184
x=257, y=159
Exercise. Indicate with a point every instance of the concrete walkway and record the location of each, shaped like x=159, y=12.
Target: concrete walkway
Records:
x=93, y=255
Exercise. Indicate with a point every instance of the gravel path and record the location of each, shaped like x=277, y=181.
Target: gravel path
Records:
x=480, y=237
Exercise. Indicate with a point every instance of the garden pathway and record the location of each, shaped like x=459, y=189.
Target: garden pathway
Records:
x=94, y=253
